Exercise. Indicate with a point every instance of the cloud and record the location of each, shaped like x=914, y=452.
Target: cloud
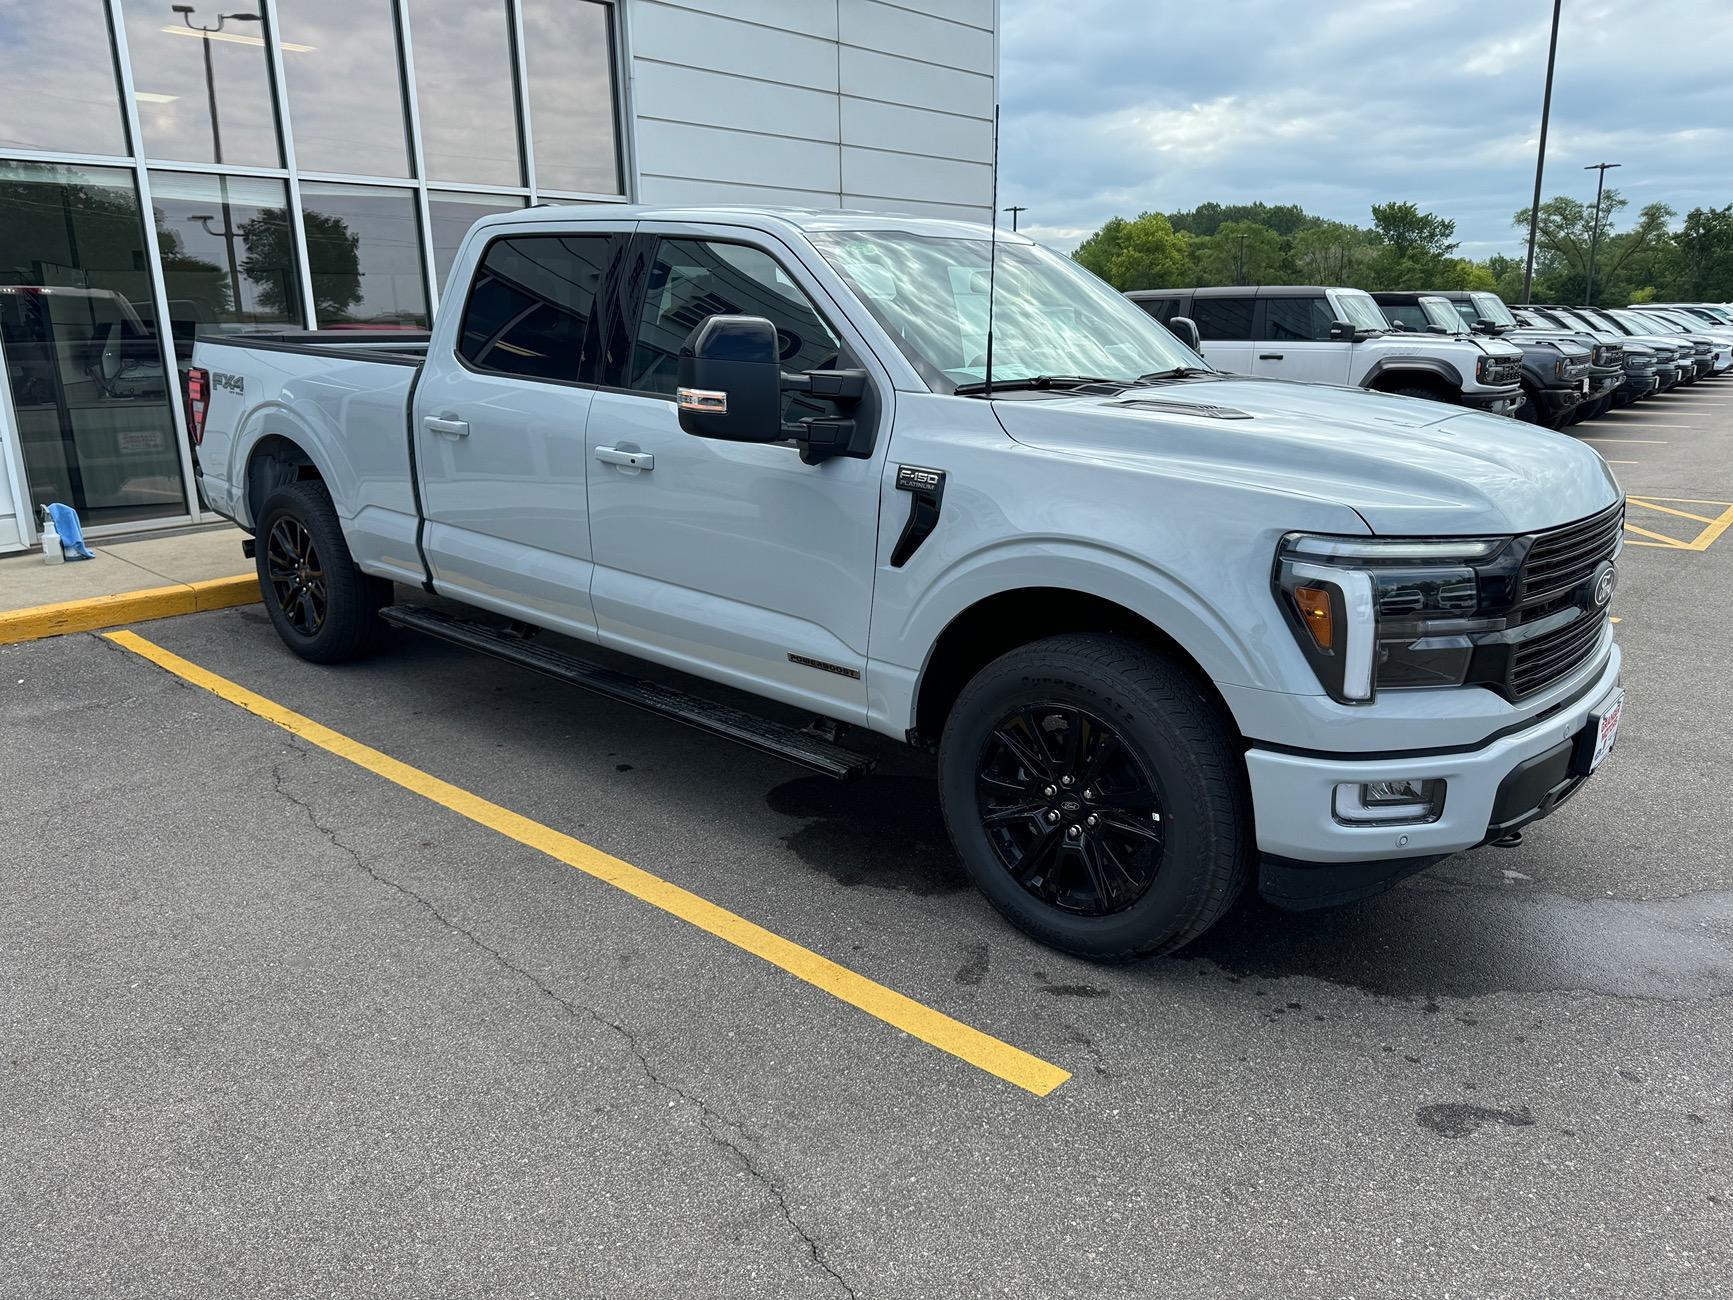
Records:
x=1114, y=107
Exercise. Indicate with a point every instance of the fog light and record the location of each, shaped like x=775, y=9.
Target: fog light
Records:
x=1404, y=800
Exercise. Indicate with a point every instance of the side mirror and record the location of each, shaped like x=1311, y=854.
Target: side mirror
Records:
x=1484, y=326
x=1396, y=327
x=1184, y=328
x=1342, y=332
x=730, y=386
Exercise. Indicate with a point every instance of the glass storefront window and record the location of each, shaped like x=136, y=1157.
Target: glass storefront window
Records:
x=228, y=254
x=569, y=50
x=202, y=82
x=89, y=390
x=57, y=67
x=464, y=89
x=340, y=58
x=364, y=256
x=449, y=217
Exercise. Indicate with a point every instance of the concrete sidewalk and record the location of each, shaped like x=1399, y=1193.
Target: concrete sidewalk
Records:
x=146, y=577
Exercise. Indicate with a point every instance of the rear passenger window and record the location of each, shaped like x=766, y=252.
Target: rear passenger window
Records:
x=1222, y=318
x=530, y=305
x=1163, y=309
x=1410, y=316
x=1298, y=320
x=692, y=279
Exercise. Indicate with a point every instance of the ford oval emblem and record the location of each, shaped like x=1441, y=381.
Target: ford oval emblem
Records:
x=1606, y=578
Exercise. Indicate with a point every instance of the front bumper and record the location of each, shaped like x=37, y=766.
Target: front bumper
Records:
x=1639, y=384
x=1293, y=796
x=1554, y=402
x=1496, y=401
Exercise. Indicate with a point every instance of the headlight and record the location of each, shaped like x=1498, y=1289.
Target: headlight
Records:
x=1561, y=368
x=1486, y=368
x=1370, y=612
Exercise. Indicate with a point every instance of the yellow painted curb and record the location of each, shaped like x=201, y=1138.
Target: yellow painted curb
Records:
x=126, y=607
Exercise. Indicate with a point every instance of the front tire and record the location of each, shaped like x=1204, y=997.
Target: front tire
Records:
x=325, y=609
x=1096, y=796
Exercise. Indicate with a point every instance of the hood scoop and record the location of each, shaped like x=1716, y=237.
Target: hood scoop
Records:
x=1202, y=409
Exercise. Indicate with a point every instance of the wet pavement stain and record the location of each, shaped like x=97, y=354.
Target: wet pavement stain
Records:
x=1075, y=991
x=974, y=970
x=885, y=832
x=1427, y=940
x=1457, y=1119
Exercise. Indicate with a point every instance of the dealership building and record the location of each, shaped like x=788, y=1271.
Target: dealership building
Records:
x=170, y=168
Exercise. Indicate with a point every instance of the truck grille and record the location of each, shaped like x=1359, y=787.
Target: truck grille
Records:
x=1503, y=370
x=1555, y=577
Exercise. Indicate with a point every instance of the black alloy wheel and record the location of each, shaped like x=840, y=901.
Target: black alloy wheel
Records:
x=1069, y=810
x=296, y=575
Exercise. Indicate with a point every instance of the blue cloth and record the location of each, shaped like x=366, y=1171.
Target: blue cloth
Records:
x=71, y=533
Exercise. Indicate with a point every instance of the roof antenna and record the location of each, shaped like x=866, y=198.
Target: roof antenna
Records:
x=992, y=259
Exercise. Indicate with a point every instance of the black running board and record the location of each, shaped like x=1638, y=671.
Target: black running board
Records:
x=762, y=734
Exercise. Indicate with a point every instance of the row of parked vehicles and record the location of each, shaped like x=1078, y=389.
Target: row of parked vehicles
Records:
x=1168, y=632
x=1549, y=365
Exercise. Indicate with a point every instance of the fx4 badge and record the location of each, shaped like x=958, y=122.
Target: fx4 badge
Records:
x=927, y=488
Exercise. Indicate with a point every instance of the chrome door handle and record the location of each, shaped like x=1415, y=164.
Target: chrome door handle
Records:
x=450, y=428
x=630, y=459
x=1269, y=356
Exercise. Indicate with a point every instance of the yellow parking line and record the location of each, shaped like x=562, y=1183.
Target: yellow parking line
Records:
x=1668, y=510
x=968, y=1044
x=1659, y=539
x=95, y=612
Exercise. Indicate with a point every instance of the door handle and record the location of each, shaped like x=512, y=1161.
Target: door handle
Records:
x=1269, y=356
x=450, y=428
x=630, y=459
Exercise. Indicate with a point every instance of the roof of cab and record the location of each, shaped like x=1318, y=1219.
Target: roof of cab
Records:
x=804, y=220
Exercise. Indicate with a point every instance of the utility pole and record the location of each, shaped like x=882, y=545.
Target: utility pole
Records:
x=1595, y=230
x=1540, y=158
x=186, y=12
x=1014, y=209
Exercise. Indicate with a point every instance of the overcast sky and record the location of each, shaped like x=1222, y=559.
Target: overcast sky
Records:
x=1115, y=107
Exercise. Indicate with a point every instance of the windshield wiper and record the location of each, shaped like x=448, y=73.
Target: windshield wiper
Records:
x=1177, y=372
x=1060, y=382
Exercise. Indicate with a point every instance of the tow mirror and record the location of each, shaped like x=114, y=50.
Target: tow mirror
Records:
x=1184, y=328
x=1341, y=332
x=731, y=384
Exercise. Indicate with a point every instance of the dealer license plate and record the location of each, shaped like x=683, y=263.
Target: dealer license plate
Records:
x=1606, y=721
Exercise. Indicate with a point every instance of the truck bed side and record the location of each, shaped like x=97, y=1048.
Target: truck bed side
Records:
x=338, y=404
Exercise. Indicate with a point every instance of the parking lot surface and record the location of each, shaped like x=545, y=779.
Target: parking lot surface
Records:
x=277, y=1022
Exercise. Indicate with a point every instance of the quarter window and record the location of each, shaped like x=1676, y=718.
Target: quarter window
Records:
x=1299, y=320
x=531, y=304
x=692, y=279
x=1222, y=318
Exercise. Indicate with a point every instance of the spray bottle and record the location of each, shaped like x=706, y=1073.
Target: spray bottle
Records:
x=51, y=548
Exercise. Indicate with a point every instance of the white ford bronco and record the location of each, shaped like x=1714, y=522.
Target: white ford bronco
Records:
x=1169, y=631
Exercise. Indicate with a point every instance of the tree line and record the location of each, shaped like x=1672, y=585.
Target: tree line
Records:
x=1644, y=260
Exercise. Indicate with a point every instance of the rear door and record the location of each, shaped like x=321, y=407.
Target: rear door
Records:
x=733, y=560
x=1294, y=341
x=499, y=422
x=1225, y=326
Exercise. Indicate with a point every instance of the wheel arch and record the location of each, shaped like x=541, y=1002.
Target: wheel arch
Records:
x=1422, y=372
x=272, y=460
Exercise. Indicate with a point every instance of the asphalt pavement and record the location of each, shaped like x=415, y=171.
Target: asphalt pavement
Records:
x=271, y=1025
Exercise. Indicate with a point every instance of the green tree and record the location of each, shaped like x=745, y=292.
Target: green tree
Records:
x=1240, y=252
x=1207, y=219
x=1705, y=255
x=1414, y=247
x=1567, y=231
x=1144, y=253
x=1331, y=252
x=332, y=253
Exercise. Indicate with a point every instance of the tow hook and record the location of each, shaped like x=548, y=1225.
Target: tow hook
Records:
x=1508, y=841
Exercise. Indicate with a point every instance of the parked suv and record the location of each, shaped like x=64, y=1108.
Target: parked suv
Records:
x=1720, y=337
x=1666, y=356
x=1166, y=630
x=1555, y=372
x=1486, y=313
x=1338, y=336
x=1691, y=360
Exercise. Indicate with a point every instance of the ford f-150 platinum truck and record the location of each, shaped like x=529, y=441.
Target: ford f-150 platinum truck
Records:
x=1167, y=630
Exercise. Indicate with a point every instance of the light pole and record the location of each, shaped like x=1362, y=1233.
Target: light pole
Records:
x=227, y=235
x=1014, y=209
x=1595, y=230
x=186, y=13
x=1540, y=158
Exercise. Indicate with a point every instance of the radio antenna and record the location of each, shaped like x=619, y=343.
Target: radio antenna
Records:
x=992, y=259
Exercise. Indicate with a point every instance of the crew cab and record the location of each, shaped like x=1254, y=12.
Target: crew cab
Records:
x=1486, y=313
x=1338, y=336
x=1167, y=630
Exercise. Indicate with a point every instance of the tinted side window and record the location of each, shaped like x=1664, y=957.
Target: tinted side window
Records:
x=1223, y=318
x=530, y=305
x=1163, y=309
x=691, y=279
x=1410, y=315
x=1298, y=320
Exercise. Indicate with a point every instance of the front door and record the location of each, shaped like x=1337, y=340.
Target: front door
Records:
x=1295, y=341
x=500, y=414
x=732, y=560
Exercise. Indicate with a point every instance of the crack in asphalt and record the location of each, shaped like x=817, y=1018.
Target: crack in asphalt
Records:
x=715, y=1126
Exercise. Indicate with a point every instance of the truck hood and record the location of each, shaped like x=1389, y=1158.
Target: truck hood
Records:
x=1407, y=467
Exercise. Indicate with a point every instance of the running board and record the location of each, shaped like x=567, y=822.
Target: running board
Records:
x=768, y=737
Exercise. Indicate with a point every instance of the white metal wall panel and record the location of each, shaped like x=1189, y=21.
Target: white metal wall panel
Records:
x=890, y=29
x=677, y=191
x=711, y=153
x=689, y=38
x=813, y=17
x=872, y=124
x=912, y=176
x=671, y=93
x=872, y=75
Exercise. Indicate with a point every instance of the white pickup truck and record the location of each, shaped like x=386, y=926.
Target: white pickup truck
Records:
x=1168, y=630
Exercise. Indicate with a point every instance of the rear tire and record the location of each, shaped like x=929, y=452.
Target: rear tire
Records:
x=325, y=609
x=1424, y=393
x=1146, y=838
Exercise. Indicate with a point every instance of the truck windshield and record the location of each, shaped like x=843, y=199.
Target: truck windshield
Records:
x=1359, y=310
x=1439, y=312
x=1491, y=307
x=1050, y=317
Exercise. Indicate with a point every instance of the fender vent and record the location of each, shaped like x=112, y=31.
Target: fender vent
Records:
x=1185, y=408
